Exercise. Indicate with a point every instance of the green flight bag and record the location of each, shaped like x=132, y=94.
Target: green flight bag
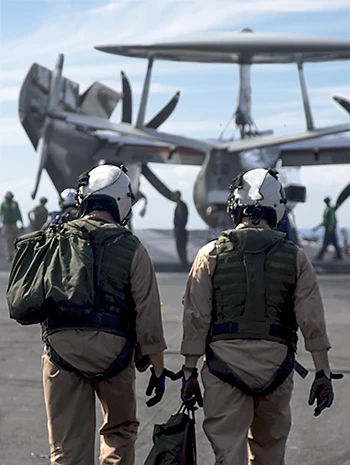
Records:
x=25, y=290
x=55, y=266
x=174, y=441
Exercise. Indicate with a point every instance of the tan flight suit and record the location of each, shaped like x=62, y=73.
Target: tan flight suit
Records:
x=70, y=399
x=10, y=232
x=233, y=419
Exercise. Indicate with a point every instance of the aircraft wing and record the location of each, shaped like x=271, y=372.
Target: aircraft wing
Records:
x=133, y=149
x=124, y=129
x=320, y=151
x=261, y=142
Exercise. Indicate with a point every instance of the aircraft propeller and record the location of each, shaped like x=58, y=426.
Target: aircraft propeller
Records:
x=345, y=193
x=343, y=102
x=158, y=119
x=127, y=99
x=153, y=123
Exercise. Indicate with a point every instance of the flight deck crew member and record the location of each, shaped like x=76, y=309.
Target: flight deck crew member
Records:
x=247, y=293
x=10, y=214
x=127, y=283
x=68, y=208
x=330, y=230
x=38, y=215
x=180, y=221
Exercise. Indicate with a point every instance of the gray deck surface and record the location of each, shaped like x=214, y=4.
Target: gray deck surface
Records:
x=313, y=441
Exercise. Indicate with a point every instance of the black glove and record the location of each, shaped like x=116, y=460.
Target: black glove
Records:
x=158, y=385
x=142, y=362
x=322, y=391
x=190, y=390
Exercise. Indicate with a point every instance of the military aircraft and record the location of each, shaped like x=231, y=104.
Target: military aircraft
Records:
x=76, y=132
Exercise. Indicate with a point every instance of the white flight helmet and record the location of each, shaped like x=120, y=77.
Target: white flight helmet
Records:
x=68, y=198
x=258, y=194
x=108, y=180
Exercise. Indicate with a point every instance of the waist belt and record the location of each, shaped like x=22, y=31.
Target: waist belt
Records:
x=275, y=330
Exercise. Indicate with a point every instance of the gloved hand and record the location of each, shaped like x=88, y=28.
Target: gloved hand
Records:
x=142, y=362
x=322, y=391
x=190, y=390
x=157, y=385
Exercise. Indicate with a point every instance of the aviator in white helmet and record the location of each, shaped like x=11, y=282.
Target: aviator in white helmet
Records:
x=106, y=187
x=257, y=194
x=68, y=198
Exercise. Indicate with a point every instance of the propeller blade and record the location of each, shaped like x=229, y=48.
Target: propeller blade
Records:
x=164, y=113
x=47, y=132
x=127, y=99
x=345, y=193
x=156, y=182
x=343, y=102
x=55, y=85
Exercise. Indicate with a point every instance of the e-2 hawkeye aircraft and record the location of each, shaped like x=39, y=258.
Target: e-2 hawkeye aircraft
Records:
x=76, y=132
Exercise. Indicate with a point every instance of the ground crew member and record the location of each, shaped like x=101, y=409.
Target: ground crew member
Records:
x=247, y=293
x=180, y=221
x=38, y=215
x=75, y=355
x=330, y=230
x=9, y=215
x=68, y=208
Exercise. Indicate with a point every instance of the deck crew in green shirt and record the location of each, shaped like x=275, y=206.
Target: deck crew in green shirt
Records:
x=10, y=214
x=330, y=230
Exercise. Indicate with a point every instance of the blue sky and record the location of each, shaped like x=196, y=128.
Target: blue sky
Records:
x=40, y=30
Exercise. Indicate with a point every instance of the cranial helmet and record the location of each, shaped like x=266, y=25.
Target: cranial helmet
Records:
x=106, y=187
x=257, y=194
x=68, y=198
x=9, y=195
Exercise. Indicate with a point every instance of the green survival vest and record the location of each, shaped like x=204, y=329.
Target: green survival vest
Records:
x=253, y=287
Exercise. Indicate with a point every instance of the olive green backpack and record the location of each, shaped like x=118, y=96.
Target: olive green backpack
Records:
x=60, y=265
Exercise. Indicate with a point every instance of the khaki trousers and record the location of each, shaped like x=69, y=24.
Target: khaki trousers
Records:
x=233, y=419
x=70, y=408
x=9, y=232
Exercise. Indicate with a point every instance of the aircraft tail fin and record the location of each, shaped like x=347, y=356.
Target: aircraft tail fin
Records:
x=35, y=97
x=99, y=100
